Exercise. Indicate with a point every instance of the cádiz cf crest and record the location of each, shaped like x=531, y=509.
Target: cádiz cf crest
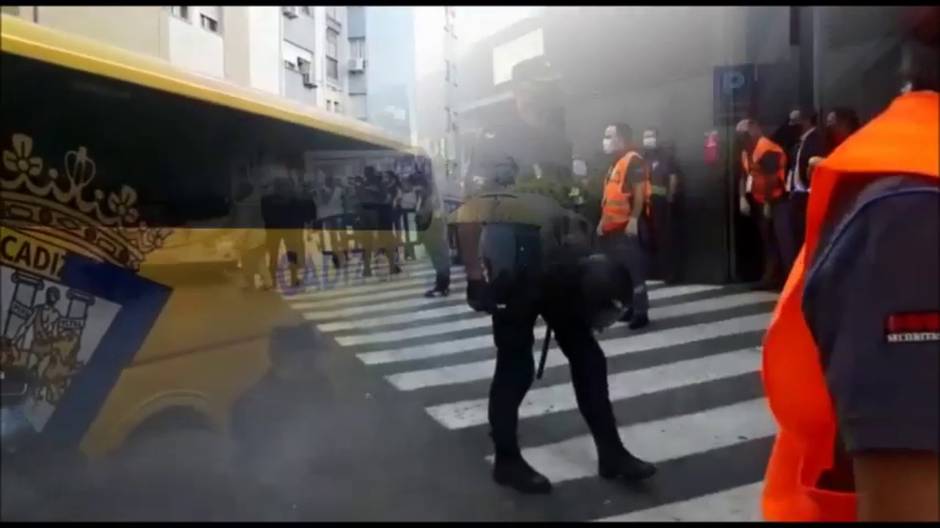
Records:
x=73, y=310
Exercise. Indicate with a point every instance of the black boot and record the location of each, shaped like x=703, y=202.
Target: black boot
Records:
x=639, y=321
x=627, y=316
x=441, y=287
x=621, y=463
x=513, y=471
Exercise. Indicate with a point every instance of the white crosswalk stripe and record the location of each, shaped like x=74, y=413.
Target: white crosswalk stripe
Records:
x=373, y=296
x=689, y=308
x=560, y=397
x=355, y=311
x=421, y=315
x=658, y=440
x=323, y=297
x=741, y=504
x=483, y=369
x=612, y=347
x=375, y=322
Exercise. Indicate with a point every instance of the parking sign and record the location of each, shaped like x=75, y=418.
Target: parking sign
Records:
x=734, y=90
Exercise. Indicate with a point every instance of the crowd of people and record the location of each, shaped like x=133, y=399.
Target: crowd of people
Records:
x=376, y=213
x=776, y=177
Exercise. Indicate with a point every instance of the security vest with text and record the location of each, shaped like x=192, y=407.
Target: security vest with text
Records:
x=617, y=204
x=902, y=140
x=764, y=186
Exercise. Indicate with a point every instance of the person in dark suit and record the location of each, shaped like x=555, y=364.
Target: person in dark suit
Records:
x=810, y=144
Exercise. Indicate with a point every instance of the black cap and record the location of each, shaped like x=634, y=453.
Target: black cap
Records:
x=536, y=69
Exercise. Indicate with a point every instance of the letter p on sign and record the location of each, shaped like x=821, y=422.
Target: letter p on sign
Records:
x=731, y=81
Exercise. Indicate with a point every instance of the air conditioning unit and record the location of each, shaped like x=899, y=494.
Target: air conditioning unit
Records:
x=290, y=11
x=357, y=64
x=308, y=80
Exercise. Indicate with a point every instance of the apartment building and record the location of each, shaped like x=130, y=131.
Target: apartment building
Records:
x=382, y=72
x=298, y=52
x=314, y=53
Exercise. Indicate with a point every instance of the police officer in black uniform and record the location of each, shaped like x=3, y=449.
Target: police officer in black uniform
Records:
x=526, y=255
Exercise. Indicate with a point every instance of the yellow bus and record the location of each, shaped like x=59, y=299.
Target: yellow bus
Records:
x=131, y=233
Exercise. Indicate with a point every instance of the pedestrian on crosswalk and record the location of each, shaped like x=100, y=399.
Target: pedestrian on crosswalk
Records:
x=527, y=256
x=431, y=223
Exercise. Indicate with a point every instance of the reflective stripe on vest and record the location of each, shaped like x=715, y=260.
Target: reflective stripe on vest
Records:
x=763, y=183
x=617, y=205
x=902, y=140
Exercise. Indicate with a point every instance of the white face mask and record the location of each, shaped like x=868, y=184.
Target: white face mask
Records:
x=649, y=142
x=609, y=147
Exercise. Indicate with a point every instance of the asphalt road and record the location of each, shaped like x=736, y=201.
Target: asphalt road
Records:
x=377, y=412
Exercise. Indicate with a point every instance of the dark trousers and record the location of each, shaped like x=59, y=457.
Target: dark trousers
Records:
x=434, y=239
x=404, y=231
x=293, y=245
x=374, y=233
x=798, y=204
x=630, y=255
x=770, y=229
x=515, y=370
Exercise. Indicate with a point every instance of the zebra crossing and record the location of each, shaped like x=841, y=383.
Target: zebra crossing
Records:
x=686, y=390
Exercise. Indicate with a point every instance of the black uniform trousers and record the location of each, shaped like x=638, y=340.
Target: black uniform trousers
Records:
x=515, y=371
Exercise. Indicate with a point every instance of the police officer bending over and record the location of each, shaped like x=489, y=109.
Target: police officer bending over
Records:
x=527, y=256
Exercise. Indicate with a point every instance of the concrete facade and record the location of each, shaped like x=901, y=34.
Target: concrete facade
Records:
x=656, y=67
x=263, y=47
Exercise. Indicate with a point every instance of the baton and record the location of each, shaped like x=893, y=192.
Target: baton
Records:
x=545, y=343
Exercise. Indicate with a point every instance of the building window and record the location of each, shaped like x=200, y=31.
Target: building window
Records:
x=337, y=108
x=357, y=48
x=306, y=10
x=332, y=68
x=331, y=38
x=209, y=23
x=180, y=12
x=332, y=12
x=332, y=52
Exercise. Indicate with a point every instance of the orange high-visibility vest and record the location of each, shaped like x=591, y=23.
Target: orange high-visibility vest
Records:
x=902, y=140
x=617, y=204
x=762, y=184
